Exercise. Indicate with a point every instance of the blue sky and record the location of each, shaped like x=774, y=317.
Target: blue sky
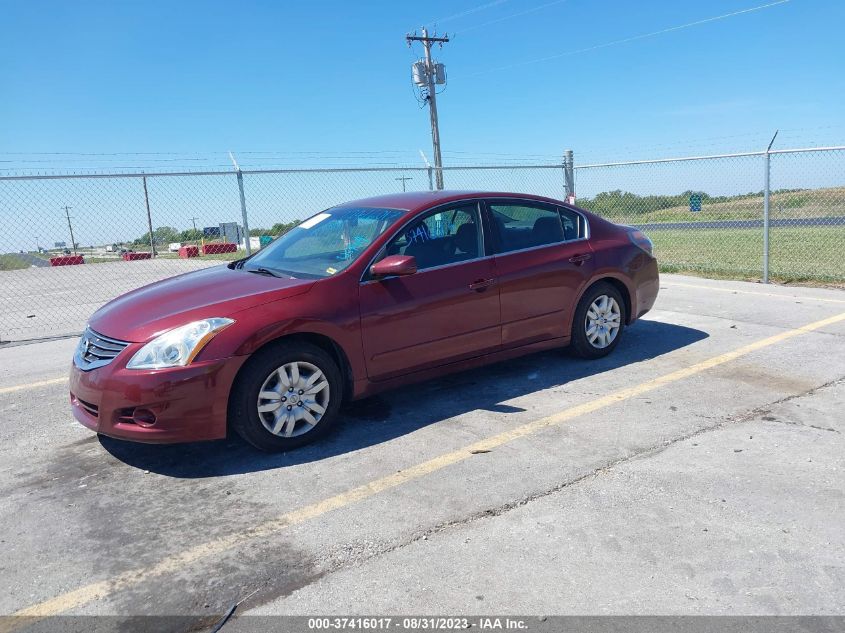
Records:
x=333, y=78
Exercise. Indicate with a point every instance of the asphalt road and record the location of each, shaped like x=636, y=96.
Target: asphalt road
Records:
x=742, y=224
x=698, y=470
x=43, y=302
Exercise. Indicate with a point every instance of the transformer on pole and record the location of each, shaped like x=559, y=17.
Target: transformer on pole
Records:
x=427, y=74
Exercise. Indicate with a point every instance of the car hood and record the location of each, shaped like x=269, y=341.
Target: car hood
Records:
x=218, y=291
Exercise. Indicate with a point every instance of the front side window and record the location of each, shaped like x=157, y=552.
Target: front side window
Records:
x=324, y=244
x=521, y=225
x=446, y=236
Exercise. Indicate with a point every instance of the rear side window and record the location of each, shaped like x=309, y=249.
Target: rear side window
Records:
x=524, y=225
x=573, y=224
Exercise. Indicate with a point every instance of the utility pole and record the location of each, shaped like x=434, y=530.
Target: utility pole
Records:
x=403, y=179
x=431, y=75
x=149, y=219
x=194, y=222
x=70, y=228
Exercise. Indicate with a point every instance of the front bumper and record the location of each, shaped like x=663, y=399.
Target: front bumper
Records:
x=188, y=403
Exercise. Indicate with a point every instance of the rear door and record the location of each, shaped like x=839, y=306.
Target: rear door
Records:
x=542, y=260
x=445, y=312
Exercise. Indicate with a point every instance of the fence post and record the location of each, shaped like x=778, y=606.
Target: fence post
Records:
x=240, y=175
x=430, y=179
x=247, y=245
x=149, y=218
x=569, y=175
x=766, y=175
x=767, y=164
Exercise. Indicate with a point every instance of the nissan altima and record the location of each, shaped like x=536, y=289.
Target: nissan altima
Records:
x=362, y=297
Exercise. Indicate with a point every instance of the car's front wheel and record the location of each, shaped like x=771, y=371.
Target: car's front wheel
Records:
x=286, y=396
x=598, y=322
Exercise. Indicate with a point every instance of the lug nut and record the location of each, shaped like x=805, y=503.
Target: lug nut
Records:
x=299, y=403
x=301, y=392
x=289, y=407
x=284, y=399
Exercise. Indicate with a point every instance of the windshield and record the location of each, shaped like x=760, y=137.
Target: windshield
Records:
x=324, y=244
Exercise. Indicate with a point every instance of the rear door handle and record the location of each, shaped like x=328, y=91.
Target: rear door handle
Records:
x=579, y=259
x=479, y=285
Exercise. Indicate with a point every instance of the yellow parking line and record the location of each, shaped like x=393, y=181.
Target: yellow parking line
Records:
x=748, y=292
x=33, y=385
x=176, y=562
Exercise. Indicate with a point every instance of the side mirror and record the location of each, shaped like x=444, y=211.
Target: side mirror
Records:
x=394, y=265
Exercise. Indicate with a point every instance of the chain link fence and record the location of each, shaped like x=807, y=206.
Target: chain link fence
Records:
x=72, y=242
x=706, y=215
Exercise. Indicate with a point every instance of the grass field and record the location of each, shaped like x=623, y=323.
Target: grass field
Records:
x=796, y=254
x=10, y=262
x=811, y=203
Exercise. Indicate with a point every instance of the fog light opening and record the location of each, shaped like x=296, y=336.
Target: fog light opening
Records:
x=143, y=417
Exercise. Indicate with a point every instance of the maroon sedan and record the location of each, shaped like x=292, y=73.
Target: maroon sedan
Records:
x=360, y=298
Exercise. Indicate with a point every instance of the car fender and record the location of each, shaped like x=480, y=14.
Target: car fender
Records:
x=600, y=274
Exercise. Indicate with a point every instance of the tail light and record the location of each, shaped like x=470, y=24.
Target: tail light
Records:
x=641, y=240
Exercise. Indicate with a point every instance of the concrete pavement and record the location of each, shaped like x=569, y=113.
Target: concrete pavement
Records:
x=593, y=498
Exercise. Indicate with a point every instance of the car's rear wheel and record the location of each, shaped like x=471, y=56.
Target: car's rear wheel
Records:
x=286, y=396
x=598, y=322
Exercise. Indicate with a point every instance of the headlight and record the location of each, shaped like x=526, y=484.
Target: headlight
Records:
x=179, y=346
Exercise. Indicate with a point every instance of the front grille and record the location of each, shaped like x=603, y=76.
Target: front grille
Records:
x=95, y=350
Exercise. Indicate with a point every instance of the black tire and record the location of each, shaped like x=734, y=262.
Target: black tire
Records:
x=580, y=342
x=244, y=417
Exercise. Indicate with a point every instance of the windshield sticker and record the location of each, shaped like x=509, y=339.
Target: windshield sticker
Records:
x=315, y=220
x=331, y=270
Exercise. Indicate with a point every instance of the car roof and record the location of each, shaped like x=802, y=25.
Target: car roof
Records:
x=414, y=201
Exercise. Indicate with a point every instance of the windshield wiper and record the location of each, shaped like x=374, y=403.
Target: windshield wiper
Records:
x=263, y=271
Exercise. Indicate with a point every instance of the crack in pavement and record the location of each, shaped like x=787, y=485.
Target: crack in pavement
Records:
x=371, y=550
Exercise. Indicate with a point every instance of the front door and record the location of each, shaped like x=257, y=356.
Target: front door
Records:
x=447, y=311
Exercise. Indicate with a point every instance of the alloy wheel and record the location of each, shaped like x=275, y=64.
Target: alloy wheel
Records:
x=603, y=320
x=293, y=399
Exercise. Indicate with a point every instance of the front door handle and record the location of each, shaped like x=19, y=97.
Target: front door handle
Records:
x=579, y=259
x=480, y=285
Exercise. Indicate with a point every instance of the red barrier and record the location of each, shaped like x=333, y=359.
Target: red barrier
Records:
x=189, y=251
x=214, y=249
x=67, y=260
x=131, y=257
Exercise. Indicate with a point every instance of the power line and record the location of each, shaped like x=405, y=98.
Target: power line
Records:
x=481, y=7
x=630, y=39
x=508, y=17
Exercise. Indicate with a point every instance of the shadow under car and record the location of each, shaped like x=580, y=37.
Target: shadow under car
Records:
x=395, y=413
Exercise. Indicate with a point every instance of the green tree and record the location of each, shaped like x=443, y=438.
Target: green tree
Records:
x=190, y=235
x=277, y=229
x=161, y=235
